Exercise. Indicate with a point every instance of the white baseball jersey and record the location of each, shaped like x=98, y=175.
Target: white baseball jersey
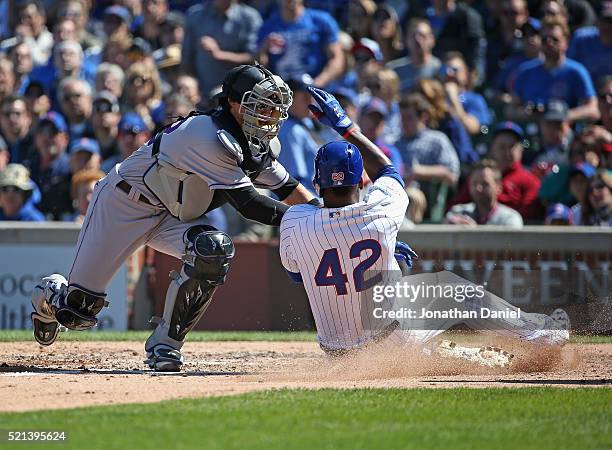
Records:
x=332, y=248
x=192, y=145
x=117, y=223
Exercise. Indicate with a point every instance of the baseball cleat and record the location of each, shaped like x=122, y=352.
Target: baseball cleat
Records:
x=556, y=330
x=484, y=356
x=164, y=359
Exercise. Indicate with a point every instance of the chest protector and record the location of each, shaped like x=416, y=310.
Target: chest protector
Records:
x=186, y=195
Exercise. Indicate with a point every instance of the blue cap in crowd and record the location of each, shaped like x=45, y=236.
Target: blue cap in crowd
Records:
x=119, y=11
x=376, y=105
x=132, y=122
x=55, y=119
x=512, y=127
x=85, y=145
x=559, y=211
x=585, y=169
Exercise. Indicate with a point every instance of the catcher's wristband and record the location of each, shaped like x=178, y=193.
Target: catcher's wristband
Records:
x=351, y=130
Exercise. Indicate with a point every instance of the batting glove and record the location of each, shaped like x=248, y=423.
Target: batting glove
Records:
x=329, y=112
x=404, y=254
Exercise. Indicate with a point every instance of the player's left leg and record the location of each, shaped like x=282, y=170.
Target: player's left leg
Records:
x=114, y=227
x=516, y=323
x=206, y=253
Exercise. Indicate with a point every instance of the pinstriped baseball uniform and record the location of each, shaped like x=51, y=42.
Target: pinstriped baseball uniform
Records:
x=327, y=247
x=332, y=248
x=117, y=223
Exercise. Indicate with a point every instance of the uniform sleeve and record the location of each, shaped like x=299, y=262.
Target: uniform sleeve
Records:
x=388, y=195
x=272, y=177
x=286, y=248
x=220, y=169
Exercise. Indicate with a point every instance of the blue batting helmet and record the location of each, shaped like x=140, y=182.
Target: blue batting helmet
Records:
x=337, y=164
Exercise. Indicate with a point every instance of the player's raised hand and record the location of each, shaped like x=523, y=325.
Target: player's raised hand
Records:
x=329, y=112
x=404, y=255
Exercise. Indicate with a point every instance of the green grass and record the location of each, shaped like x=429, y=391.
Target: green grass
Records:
x=195, y=336
x=201, y=336
x=526, y=418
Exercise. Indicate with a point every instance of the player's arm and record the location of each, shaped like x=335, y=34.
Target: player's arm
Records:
x=255, y=206
x=330, y=113
x=290, y=192
x=300, y=195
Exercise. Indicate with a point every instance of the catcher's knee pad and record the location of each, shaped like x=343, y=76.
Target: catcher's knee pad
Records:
x=208, y=253
x=77, y=309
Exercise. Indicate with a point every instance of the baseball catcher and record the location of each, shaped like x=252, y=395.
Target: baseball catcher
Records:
x=160, y=195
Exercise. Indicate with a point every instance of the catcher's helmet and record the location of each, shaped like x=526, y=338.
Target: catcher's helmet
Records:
x=337, y=163
x=264, y=99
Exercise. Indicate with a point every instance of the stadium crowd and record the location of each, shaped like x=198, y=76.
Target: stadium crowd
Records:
x=495, y=111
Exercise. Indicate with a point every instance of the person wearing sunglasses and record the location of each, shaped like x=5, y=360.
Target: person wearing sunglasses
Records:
x=144, y=93
x=596, y=206
x=16, y=189
x=75, y=96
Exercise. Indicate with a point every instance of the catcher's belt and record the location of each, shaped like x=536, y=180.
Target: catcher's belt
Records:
x=377, y=339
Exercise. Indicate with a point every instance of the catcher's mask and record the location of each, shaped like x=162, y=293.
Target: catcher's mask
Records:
x=264, y=100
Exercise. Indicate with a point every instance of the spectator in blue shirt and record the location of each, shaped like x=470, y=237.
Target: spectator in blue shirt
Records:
x=297, y=40
x=554, y=77
x=532, y=48
x=592, y=46
x=469, y=107
x=299, y=148
x=16, y=190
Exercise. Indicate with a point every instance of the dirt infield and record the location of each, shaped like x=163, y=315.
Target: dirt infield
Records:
x=72, y=374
